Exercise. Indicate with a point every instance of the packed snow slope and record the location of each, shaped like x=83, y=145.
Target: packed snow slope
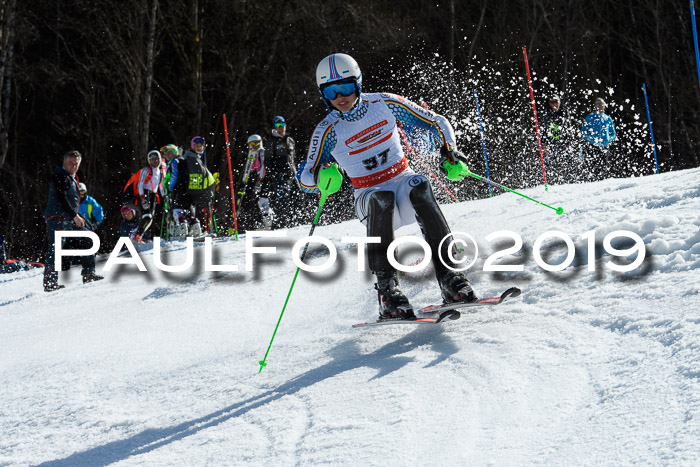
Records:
x=587, y=367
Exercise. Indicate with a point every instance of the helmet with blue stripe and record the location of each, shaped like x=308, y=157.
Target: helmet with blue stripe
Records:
x=338, y=74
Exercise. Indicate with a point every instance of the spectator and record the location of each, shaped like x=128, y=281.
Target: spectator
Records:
x=598, y=132
x=198, y=146
x=13, y=265
x=557, y=141
x=176, y=192
x=129, y=222
x=90, y=209
x=280, y=161
x=199, y=185
x=62, y=214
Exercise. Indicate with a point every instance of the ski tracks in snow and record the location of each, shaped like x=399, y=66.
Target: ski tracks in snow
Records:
x=594, y=368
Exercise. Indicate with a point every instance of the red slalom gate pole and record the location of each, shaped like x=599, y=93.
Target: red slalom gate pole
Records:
x=230, y=177
x=537, y=125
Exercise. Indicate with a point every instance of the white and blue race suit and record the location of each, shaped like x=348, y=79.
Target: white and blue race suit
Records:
x=367, y=146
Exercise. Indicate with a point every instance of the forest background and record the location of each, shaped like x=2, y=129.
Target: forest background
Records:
x=116, y=79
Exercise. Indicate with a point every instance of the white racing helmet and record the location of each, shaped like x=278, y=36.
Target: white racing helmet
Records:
x=255, y=140
x=338, y=74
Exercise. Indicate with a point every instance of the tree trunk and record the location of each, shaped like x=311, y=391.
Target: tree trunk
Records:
x=147, y=95
x=6, y=62
x=197, y=70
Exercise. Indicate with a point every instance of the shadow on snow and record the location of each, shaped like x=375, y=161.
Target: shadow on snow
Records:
x=345, y=357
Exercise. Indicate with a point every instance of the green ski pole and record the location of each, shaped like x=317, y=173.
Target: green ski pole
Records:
x=329, y=182
x=460, y=170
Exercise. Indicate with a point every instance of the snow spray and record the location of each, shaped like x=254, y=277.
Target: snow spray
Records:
x=483, y=139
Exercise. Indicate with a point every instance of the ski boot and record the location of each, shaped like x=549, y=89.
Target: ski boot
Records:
x=267, y=221
x=455, y=288
x=53, y=287
x=195, y=229
x=393, y=303
x=182, y=230
x=91, y=277
x=174, y=230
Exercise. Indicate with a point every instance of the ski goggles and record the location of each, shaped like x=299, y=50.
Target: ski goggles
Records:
x=280, y=124
x=340, y=88
x=254, y=144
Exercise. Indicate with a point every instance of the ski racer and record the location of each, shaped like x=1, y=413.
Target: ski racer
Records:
x=148, y=184
x=256, y=170
x=360, y=133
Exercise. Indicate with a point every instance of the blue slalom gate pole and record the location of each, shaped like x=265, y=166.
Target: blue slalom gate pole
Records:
x=651, y=132
x=483, y=140
x=695, y=38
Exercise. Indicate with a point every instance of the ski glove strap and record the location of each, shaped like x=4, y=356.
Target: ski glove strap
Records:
x=453, y=163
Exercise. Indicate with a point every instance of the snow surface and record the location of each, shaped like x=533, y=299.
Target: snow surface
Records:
x=585, y=368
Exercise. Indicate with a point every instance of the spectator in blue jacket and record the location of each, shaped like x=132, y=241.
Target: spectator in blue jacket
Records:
x=598, y=132
x=89, y=208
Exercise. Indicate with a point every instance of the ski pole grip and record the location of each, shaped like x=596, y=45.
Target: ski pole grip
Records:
x=329, y=180
x=456, y=172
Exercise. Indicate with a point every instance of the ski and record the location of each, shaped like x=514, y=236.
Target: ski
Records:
x=447, y=311
x=448, y=315
x=510, y=293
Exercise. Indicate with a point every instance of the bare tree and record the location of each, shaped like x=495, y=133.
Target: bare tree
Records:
x=148, y=78
x=7, y=46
